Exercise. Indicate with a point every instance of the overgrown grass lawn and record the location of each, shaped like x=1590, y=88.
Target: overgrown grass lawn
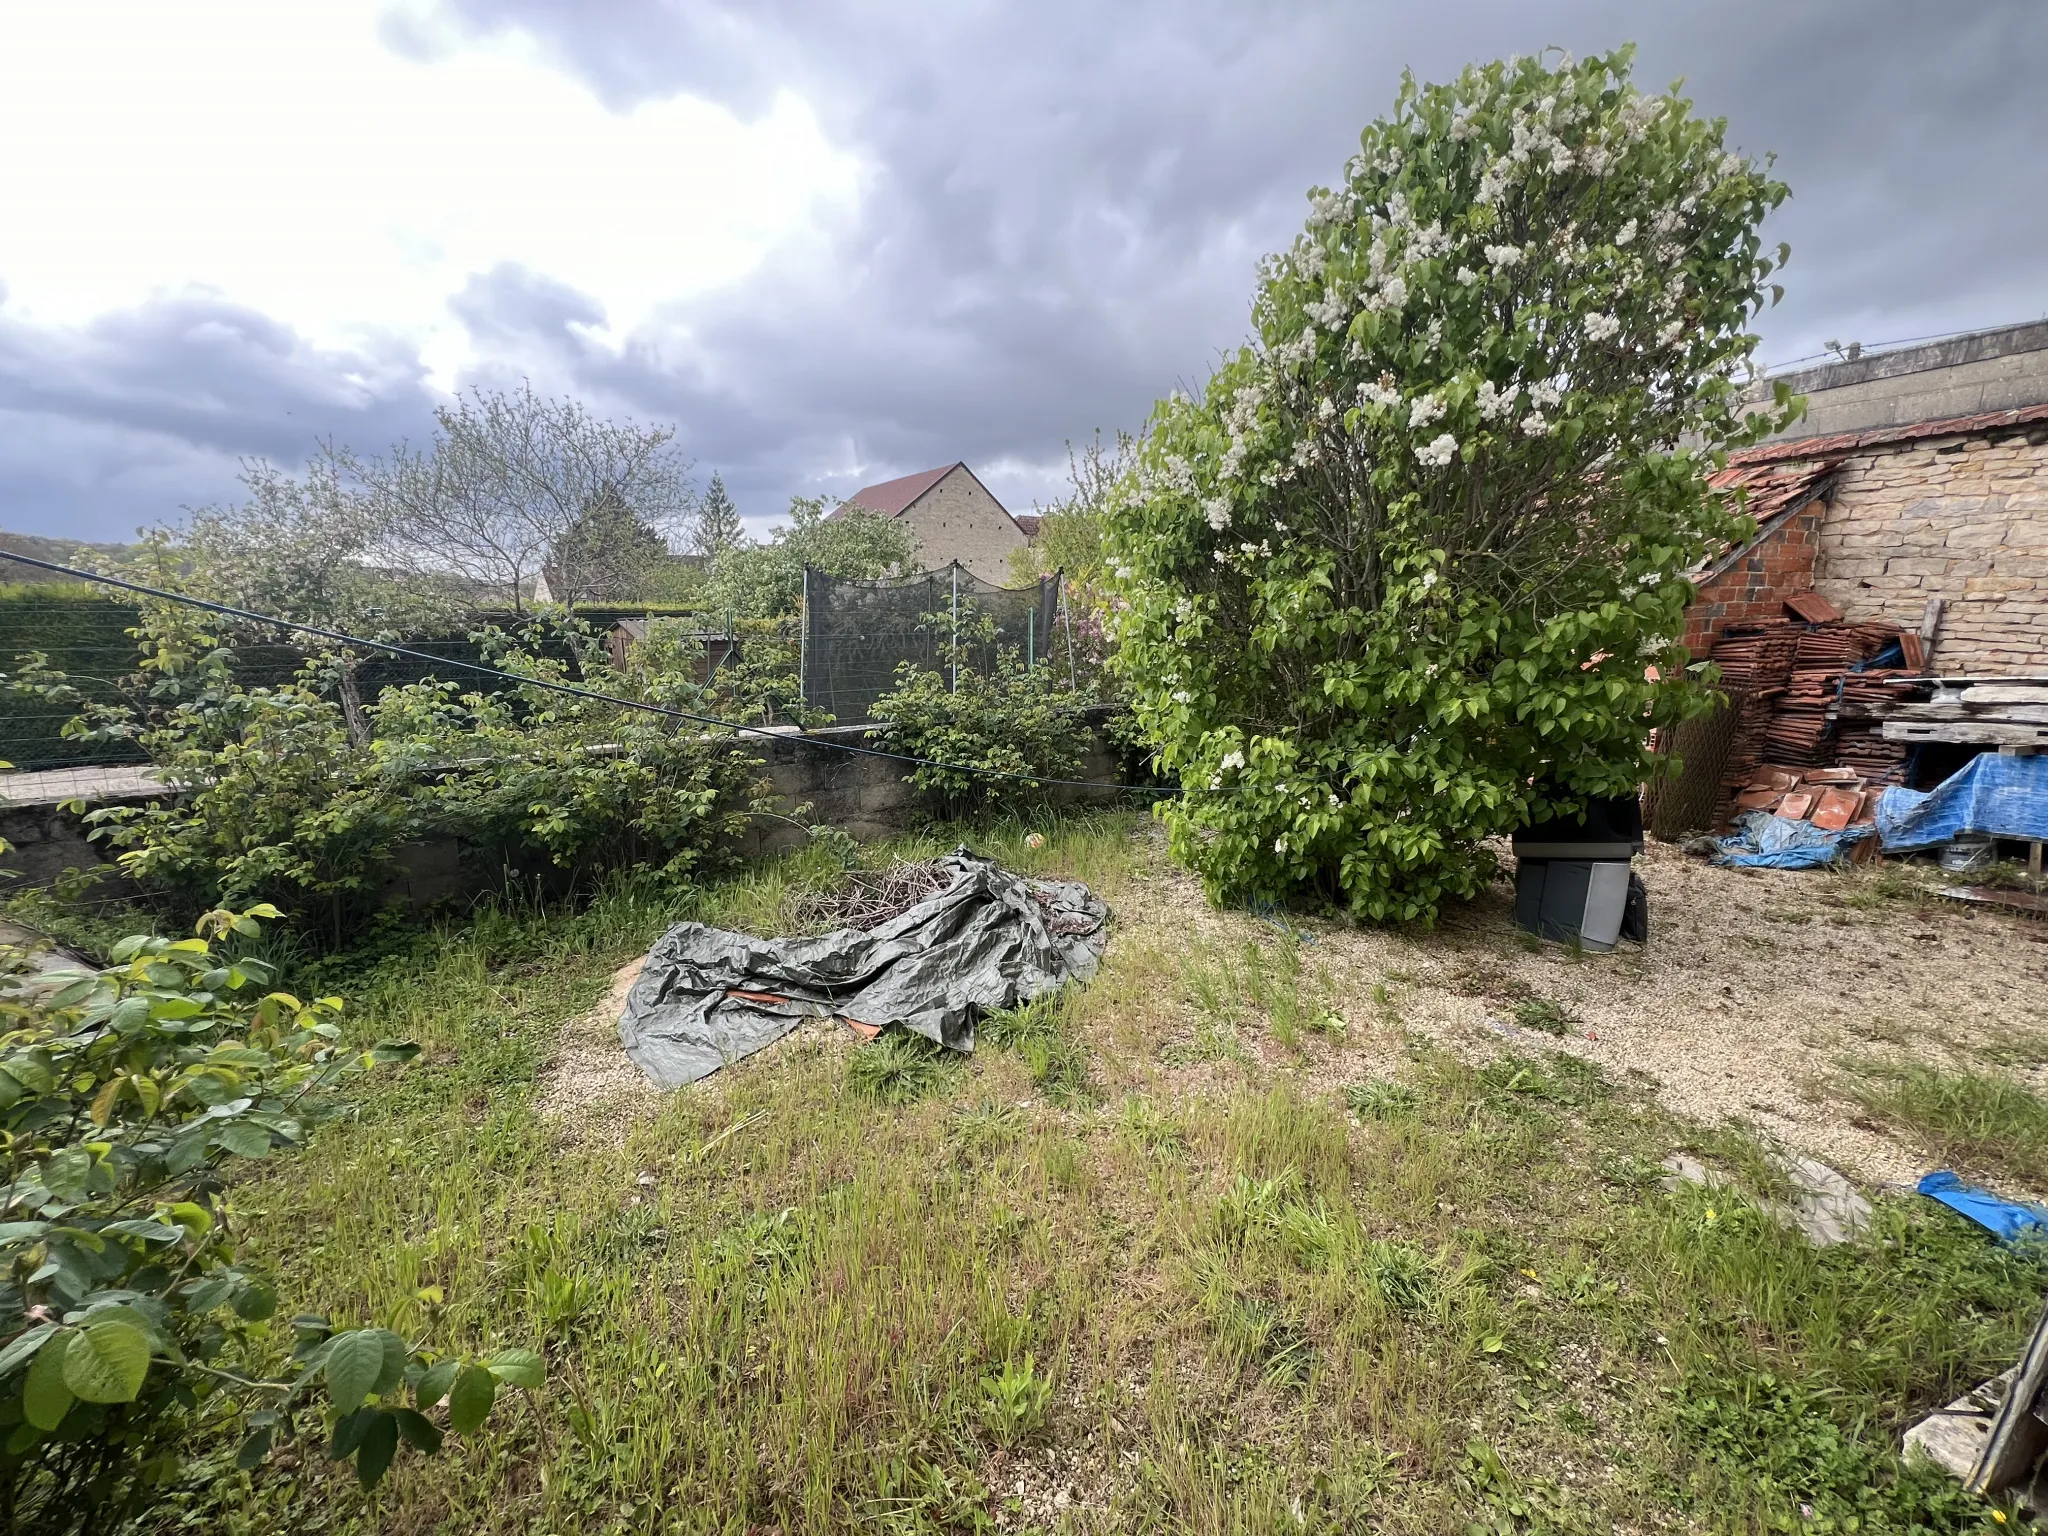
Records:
x=1117, y=1273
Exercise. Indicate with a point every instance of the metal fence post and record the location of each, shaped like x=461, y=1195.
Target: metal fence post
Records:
x=956, y=626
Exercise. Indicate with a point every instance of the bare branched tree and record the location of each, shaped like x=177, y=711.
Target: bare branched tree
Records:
x=514, y=489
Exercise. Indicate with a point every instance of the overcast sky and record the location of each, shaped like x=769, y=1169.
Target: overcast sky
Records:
x=832, y=243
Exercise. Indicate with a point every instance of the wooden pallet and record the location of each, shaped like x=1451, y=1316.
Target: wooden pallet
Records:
x=1971, y=733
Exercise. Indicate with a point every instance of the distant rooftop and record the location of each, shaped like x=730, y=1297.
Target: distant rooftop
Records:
x=892, y=498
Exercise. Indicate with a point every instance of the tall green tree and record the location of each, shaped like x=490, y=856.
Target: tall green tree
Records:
x=766, y=581
x=717, y=526
x=608, y=553
x=1397, y=580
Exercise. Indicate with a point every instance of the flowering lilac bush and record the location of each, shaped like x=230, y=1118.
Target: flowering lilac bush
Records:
x=1396, y=581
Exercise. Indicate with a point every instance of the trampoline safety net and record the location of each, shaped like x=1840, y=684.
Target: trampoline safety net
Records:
x=857, y=633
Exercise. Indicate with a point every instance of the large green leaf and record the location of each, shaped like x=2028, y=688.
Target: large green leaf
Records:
x=24, y=1345
x=106, y=1360
x=434, y=1385
x=45, y=1399
x=354, y=1362
x=243, y=1139
x=469, y=1400
x=380, y=1444
x=418, y=1430
x=518, y=1368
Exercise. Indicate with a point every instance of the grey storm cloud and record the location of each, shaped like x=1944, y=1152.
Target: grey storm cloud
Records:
x=1063, y=208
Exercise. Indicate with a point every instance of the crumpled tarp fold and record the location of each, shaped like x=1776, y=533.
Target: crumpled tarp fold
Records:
x=1764, y=841
x=992, y=939
x=2009, y=1219
x=1992, y=795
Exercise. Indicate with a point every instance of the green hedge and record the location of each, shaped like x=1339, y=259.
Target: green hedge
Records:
x=84, y=634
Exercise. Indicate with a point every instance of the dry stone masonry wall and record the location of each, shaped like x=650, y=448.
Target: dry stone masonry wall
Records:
x=1964, y=519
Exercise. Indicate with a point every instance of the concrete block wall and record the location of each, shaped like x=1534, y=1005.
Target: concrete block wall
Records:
x=1754, y=588
x=1961, y=518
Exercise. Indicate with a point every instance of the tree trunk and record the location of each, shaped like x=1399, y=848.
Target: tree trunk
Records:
x=352, y=704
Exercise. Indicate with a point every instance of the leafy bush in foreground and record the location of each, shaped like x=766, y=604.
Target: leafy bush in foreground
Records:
x=125, y=1318
x=1396, y=582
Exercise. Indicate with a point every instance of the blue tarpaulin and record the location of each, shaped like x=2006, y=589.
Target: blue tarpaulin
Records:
x=1764, y=841
x=1990, y=796
x=2010, y=1219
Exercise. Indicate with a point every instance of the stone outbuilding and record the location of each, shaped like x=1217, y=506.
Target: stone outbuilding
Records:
x=952, y=515
x=1914, y=491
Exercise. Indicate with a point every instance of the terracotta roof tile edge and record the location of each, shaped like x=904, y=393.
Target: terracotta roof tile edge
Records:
x=1880, y=437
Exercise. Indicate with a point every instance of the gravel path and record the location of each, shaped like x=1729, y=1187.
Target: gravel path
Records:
x=1754, y=985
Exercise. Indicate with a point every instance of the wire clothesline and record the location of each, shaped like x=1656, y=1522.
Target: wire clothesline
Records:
x=590, y=695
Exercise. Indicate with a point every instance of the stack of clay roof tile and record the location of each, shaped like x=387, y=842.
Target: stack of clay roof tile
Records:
x=1787, y=681
x=1863, y=701
x=1831, y=798
x=1797, y=734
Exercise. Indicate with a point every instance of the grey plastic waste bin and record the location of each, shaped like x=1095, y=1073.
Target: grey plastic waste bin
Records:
x=1574, y=880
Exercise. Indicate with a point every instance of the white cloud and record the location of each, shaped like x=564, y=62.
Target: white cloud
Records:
x=283, y=155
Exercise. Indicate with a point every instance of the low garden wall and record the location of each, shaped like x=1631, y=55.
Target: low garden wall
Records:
x=866, y=796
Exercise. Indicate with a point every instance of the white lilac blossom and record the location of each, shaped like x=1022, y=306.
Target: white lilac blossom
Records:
x=1217, y=510
x=1427, y=408
x=1392, y=294
x=1669, y=333
x=1291, y=354
x=1626, y=233
x=1326, y=208
x=1438, y=451
x=1533, y=425
x=1467, y=276
x=1503, y=255
x=1602, y=327
x=1545, y=393
x=1428, y=580
x=1326, y=409
x=1378, y=392
x=1494, y=403
x=1332, y=310
x=1231, y=759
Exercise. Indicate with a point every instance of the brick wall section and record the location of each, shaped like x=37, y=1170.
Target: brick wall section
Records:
x=958, y=519
x=1755, y=587
x=1963, y=518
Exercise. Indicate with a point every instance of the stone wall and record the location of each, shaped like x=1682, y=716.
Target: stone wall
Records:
x=1961, y=518
x=958, y=519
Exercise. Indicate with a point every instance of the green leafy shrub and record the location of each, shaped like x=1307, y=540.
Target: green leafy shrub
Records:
x=757, y=682
x=1009, y=719
x=275, y=798
x=126, y=1319
x=1395, y=582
